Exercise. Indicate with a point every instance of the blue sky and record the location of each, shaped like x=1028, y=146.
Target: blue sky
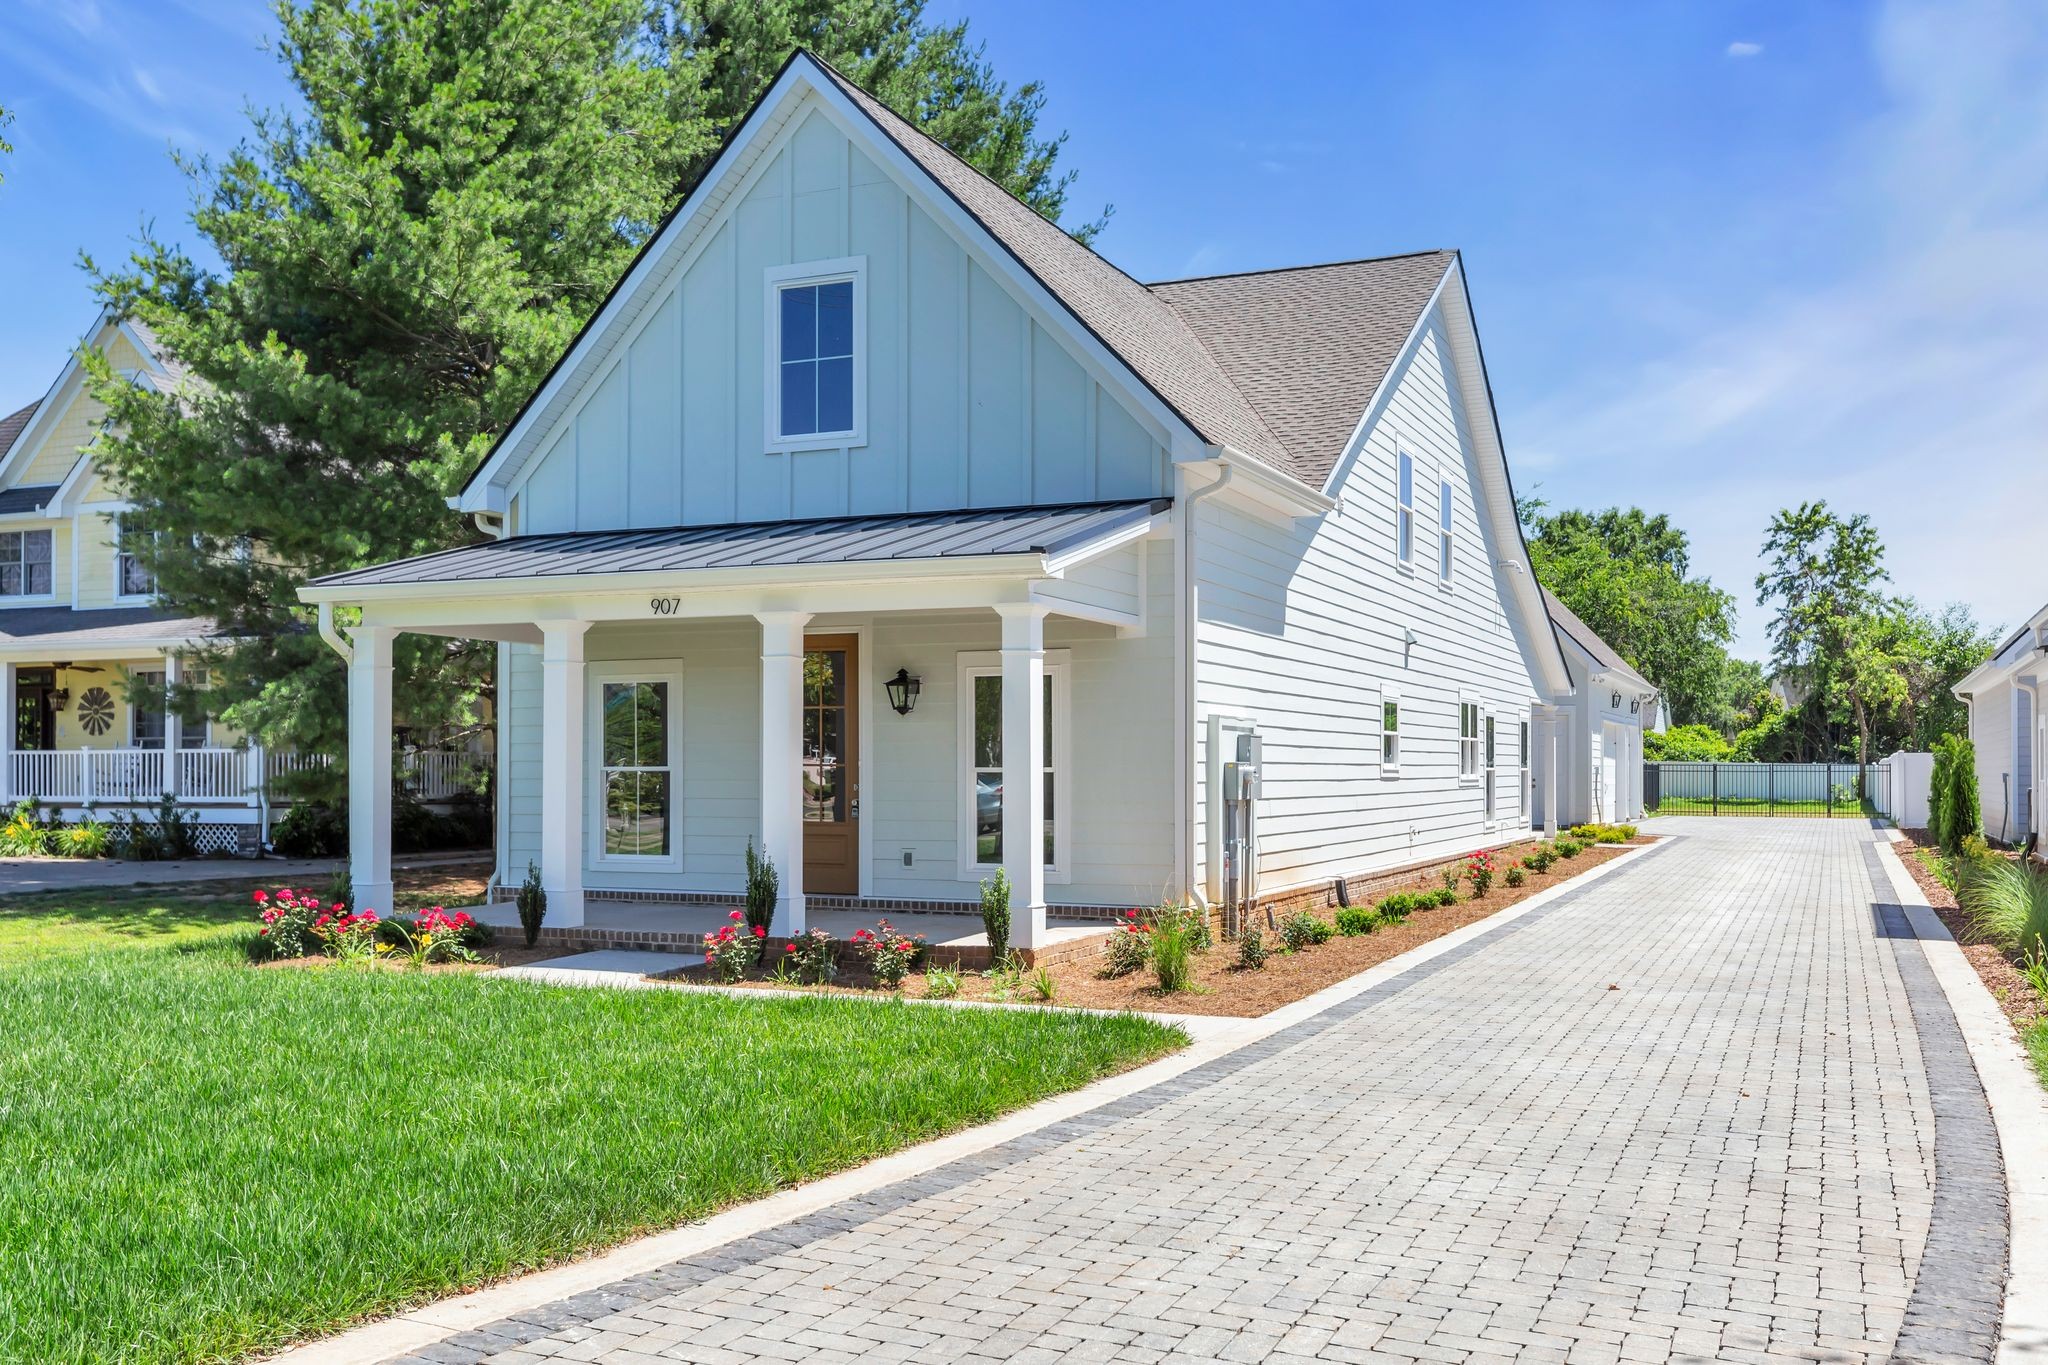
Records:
x=1726, y=256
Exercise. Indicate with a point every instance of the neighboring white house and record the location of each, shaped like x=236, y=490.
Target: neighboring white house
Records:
x=2009, y=731
x=874, y=519
x=1600, y=742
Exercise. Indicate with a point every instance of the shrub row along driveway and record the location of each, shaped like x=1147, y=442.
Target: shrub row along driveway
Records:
x=1683, y=1113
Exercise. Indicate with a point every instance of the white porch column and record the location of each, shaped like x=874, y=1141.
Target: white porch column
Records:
x=782, y=755
x=174, y=727
x=10, y=719
x=369, y=768
x=1023, y=769
x=1550, y=724
x=562, y=781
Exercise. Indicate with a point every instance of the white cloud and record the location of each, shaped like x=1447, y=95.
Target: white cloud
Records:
x=1912, y=383
x=1742, y=49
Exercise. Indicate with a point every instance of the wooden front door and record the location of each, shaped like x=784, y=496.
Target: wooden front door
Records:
x=831, y=758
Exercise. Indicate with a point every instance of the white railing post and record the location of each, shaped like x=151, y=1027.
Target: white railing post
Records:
x=174, y=727
x=253, y=775
x=85, y=773
x=10, y=720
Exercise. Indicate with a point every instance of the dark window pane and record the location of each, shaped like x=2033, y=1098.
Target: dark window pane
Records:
x=835, y=395
x=811, y=741
x=988, y=817
x=824, y=677
x=636, y=814
x=800, y=323
x=988, y=722
x=799, y=398
x=39, y=579
x=10, y=580
x=835, y=318
x=1390, y=716
x=1047, y=760
x=1407, y=550
x=1050, y=850
x=35, y=547
x=822, y=791
x=635, y=724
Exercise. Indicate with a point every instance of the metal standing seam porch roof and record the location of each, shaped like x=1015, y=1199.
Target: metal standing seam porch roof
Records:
x=890, y=537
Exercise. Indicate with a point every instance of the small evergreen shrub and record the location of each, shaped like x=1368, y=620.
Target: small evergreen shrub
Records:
x=1541, y=859
x=533, y=904
x=1515, y=876
x=1354, y=920
x=1938, y=792
x=310, y=829
x=995, y=915
x=1302, y=930
x=1960, y=812
x=764, y=889
x=1569, y=848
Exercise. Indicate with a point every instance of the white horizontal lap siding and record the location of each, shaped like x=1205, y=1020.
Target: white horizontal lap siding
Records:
x=1302, y=632
x=1991, y=736
x=519, y=783
x=970, y=400
x=1112, y=582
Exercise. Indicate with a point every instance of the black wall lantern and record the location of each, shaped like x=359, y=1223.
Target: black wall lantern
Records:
x=903, y=690
x=1615, y=701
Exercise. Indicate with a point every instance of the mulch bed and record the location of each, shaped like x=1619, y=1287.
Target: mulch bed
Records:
x=2007, y=983
x=488, y=959
x=1220, y=986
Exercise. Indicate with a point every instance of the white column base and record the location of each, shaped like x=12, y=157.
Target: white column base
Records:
x=782, y=792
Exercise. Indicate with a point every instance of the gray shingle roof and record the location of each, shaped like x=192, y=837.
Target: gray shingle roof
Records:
x=826, y=540
x=1130, y=319
x=13, y=422
x=1308, y=346
x=1586, y=638
x=60, y=628
x=26, y=497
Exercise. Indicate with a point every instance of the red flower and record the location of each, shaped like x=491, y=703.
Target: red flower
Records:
x=759, y=932
x=261, y=897
x=733, y=915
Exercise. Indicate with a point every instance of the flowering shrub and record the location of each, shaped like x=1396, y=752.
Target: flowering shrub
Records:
x=1479, y=868
x=734, y=948
x=811, y=955
x=433, y=936
x=349, y=937
x=1516, y=876
x=287, y=923
x=1129, y=947
x=1541, y=859
x=24, y=836
x=890, y=953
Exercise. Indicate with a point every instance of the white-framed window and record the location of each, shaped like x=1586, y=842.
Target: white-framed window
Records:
x=1390, y=733
x=1404, y=509
x=635, y=741
x=981, y=750
x=131, y=577
x=1522, y=788
x=1443, y=530
x=148, y=709
x=816, y=333
x=25, y=564
x=1468, y=739
x=1487, y=779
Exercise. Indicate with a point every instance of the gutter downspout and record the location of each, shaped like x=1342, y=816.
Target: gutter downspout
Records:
x=333, y=636
x=2033, y=690
x=1190, y=834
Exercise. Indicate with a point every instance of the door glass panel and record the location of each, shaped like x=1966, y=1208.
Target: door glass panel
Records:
x=826, y=790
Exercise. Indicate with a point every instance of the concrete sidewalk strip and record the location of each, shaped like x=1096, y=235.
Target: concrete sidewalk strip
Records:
x=2019, y=1108
x=1214, y=1038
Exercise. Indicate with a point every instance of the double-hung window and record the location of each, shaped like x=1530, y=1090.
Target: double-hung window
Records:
x=981, y=684
x=636, y=765
x=1487, y=779
x=817, y=366
x=1522, y=788
x=132, y=578
x=148, y=708
x=25, y=564
x=1404, y=509
x=1390, y=733
x=1443, y=531
x=1468, y=739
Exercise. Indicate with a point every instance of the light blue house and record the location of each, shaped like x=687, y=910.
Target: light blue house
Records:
x=874, y=519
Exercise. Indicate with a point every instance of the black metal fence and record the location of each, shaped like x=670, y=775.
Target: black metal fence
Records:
x=1820, y=790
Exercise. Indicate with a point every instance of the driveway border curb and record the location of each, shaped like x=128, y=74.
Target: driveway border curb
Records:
x=424, y=1328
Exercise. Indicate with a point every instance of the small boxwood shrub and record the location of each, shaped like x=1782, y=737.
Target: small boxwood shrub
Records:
x=1541, y=859
x=1603, y=834
x=1302, y=930
x=1569, y=848
x=1515, y=876
x=1354, y=920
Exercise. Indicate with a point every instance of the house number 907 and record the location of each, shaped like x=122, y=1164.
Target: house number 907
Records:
x=665, y=606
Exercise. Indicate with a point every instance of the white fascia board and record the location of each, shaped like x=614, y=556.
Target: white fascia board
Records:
x=684, y=582
x=1273, y=488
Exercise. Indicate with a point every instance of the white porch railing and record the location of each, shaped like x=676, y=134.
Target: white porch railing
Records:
x=138, y=776
x=437, y=774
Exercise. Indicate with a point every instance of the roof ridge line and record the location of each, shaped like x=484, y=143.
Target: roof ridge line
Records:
x=1309, y=265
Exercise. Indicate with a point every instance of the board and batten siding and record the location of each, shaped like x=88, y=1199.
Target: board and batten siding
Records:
x=970, y=401
x=1118, y=785
x=1302, y=631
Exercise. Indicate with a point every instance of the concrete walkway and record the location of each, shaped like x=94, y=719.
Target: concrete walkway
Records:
x=1711, y=1107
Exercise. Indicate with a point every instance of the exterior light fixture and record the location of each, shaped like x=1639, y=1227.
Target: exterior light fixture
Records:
x=903, y=690
x=1615, y=701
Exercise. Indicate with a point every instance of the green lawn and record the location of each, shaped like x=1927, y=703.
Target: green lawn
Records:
x=50, y=923
x=203, y=1159
x=1688, y=805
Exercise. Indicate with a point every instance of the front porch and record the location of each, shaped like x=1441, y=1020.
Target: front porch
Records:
x=665, y=703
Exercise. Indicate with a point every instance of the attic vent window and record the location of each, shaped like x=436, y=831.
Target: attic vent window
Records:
x=816, y=336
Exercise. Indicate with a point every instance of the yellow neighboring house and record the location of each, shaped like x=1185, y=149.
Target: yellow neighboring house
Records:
x=79, y=624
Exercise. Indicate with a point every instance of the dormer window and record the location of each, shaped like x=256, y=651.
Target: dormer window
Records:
x=817, y=364
x=25, y=564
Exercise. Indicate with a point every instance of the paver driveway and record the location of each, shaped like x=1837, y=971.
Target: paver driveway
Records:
x=1683, y=1113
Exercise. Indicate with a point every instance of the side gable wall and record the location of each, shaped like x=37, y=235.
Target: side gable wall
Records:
x=970, y=402
x=1302, y=631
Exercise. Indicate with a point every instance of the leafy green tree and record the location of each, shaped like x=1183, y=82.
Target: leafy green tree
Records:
x=1686, y=744
x=1626, y=574
x=408, y=252
x=1821, y=577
